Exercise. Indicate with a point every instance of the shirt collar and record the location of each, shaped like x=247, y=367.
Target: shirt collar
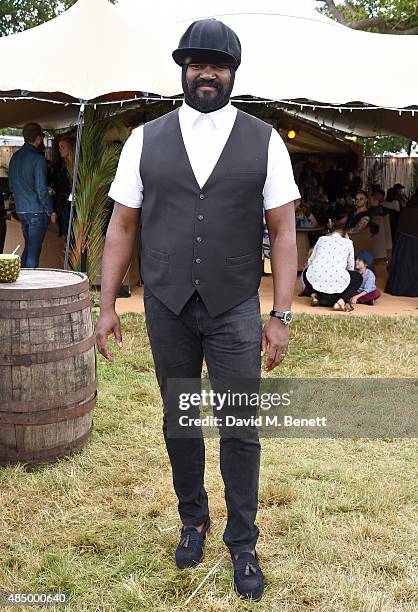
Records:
x=29, y=145
x=190, y=116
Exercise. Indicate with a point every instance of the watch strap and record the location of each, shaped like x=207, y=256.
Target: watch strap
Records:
x=284, y=315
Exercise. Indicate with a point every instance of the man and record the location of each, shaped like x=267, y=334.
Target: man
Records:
x=400, y=195
x=28, y=181
x=359, y=219
x=201, y=175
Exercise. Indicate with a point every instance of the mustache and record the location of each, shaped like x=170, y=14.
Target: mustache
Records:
x=199, y=82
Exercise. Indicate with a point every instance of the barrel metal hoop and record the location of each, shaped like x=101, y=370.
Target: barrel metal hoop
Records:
x=8, y=455
x=38, y=405
x=48, y=356
x=48, y=417
x=46, y=293
x=45, y=311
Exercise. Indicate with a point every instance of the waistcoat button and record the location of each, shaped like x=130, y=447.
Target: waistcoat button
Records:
x=197, y=281
x=198, y=260
x=200, y=217
x=202, y=196
x=198, y=238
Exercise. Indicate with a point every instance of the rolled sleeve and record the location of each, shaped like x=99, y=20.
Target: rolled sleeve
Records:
x=127, y=187
x=280, y=187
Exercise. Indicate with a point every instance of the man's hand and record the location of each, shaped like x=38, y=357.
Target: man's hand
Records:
x=354, y=299
x=275, y=341
x=107, y=323
x=120, y=238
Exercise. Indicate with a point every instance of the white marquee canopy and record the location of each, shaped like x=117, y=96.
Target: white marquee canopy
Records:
x=290, y=52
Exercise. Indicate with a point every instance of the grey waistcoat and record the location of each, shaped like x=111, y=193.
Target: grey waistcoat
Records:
x=207, y=240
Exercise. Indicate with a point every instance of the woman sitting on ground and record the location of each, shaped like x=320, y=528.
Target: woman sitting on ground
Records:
x=330, y=278
x=367, y=292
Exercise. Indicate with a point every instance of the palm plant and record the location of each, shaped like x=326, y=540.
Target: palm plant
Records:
x=97, y=167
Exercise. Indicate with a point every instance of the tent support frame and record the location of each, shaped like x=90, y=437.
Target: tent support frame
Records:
x=80, y=122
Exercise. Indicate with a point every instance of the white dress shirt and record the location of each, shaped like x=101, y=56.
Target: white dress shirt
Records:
x=204, y=136
x=329, y=263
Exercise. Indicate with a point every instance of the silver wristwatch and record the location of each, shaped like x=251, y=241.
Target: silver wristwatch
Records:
x=285, y=316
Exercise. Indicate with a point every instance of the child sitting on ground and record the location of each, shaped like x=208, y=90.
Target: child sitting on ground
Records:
x=367, y=292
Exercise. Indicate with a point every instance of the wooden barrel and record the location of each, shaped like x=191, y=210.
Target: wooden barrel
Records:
x=48, y=383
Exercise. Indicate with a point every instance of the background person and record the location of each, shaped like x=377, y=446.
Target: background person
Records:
x=330, y=278
x=381, y=237
x=62, y=182
x=403, y=269
x=367, y=293
x=3, y=223
x=28, y=180
x=413, y=201
x=375, y=203
x=303, y=215
x=359, y=220
x=392, y=205
x=400, y=194
x=333, y=182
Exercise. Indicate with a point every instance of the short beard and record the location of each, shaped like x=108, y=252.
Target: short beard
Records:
x=207, y=102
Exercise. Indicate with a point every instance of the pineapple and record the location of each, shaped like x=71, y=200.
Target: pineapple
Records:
x=9, y=268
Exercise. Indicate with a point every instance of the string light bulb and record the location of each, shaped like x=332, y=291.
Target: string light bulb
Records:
x=291, y=134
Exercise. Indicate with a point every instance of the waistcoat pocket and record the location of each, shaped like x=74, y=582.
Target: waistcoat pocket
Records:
x=242, y=259
x=159, y=255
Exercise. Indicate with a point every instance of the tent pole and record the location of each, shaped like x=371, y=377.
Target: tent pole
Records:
x=75, y=173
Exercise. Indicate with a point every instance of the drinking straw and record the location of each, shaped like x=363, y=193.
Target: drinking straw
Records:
x=210, y=572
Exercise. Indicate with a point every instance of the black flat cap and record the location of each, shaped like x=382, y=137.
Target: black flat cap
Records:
x=209, y=41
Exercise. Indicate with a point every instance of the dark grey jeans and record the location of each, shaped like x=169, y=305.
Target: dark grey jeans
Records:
x=230, y=344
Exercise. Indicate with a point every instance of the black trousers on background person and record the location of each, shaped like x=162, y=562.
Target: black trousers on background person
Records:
x=230, y=344
x=329, y=299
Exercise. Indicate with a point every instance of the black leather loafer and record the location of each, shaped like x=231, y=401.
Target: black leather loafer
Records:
x=248, y=577
x=189, y=551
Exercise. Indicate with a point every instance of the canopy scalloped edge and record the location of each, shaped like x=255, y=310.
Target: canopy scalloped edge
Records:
x=251, y=100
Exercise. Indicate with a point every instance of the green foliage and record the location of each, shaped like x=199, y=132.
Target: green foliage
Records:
x=402, y=11
x=386, y=16
x=10, y=132
x=382, y=145
x=19, y=15
x=97, y=168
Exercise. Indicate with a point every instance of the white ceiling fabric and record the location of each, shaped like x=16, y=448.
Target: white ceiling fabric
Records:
x=289, y=52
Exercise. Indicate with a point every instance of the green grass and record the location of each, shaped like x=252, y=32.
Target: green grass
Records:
x=336, y=517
